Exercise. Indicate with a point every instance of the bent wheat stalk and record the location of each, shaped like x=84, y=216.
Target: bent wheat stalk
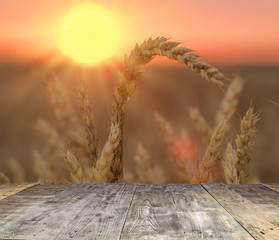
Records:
x=141, y=55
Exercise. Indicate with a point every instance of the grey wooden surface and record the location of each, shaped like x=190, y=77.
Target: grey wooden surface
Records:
x=139, y=211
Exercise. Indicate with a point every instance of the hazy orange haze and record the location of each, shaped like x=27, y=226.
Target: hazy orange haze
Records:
x=225, y=32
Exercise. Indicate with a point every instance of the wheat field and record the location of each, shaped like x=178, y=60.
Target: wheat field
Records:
x=172, y=91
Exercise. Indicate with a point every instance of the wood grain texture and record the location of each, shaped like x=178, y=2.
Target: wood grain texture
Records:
x=7, y=190
x=273, y=186
x=258, y=223
x=46, y=220
x=202, y=217
x=103, y=216
x=152, y=215
x=261, y=196
x=140, y=211
x=17, y=205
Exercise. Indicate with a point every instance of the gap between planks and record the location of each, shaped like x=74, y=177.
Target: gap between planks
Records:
x=81, y=211
x=238, y=205
x=272, y=186
x=257, y=222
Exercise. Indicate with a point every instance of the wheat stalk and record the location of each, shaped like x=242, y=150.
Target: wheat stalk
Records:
x=89, y=123
x=244, y=143
x=60, y=101
x=212, y=154
x=235, y=162
x=141, y=55
x=229, y=164
x=103, y=171
x=72, y=129
x=74, y=167
x=229, y=102
x=55, y=142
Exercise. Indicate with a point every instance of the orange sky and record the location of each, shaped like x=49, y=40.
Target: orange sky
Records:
x=223, y=32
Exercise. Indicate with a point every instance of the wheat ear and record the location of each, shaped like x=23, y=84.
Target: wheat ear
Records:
x=212, y=154
x=89, y=123
x=201, y=125
x=103, y=171
x=229, y=102
x=74, y=167
x=182, y=55
x=244, y=143
x=229, y=164
x=4, y=178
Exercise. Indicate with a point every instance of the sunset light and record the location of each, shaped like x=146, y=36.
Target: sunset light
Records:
x=139, y=119
x=88, y=34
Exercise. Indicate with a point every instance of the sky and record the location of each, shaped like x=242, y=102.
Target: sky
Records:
x=222, y=32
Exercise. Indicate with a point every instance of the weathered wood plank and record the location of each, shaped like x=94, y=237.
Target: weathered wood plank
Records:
x=273, y=186
x=23, y=202
x=103, y=216
x=202, y=217
x=261, y=196
x=152, y=215
x=10, y=189
x=48, y=219
x=258, y=223
x=98, y=211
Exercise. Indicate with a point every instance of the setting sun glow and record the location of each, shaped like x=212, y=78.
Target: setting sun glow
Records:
x=88, y=34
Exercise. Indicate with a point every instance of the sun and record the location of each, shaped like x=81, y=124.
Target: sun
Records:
x=88, y=34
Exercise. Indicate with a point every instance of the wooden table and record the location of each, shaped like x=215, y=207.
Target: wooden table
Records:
x=138, y=211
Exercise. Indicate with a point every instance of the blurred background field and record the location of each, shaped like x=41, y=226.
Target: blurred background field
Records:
x=171, y=90
x=68, y=39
